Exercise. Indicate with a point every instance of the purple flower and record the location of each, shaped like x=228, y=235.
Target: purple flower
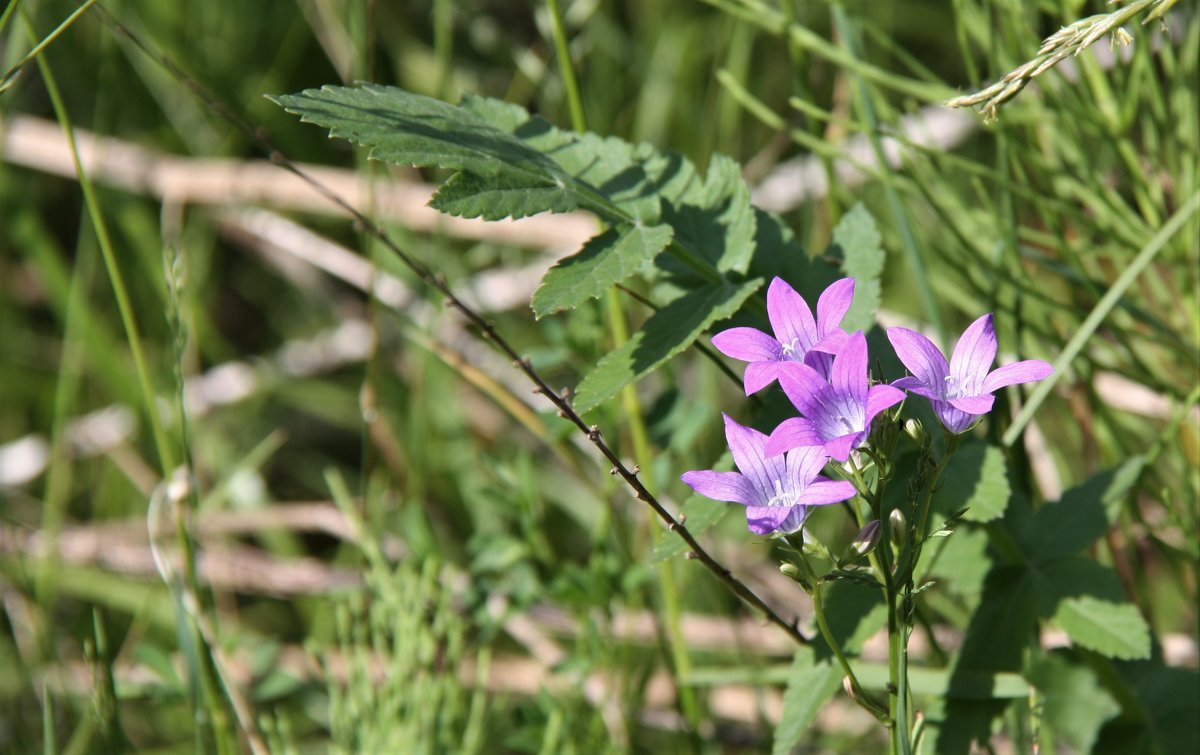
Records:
x=775, y=491
x=798, y=337
x=961, y=391
x=837, y=415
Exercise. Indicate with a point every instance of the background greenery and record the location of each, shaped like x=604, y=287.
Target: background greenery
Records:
x=398, y=544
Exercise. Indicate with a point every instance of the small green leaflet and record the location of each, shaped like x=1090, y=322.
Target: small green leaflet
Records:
x=863, y=257
x=669, y=331
x=604, y=261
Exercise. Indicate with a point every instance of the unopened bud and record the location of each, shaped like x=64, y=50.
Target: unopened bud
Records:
x=866, y=539
x=915, y=431
x=790, y=570
x=897, y=528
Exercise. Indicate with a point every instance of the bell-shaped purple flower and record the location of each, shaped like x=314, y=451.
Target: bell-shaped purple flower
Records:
x=798, y=336
x=775, y=491
x=837, y=414
x=962, y=390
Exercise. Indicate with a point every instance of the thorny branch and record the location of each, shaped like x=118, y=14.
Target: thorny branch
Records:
x=260, y=138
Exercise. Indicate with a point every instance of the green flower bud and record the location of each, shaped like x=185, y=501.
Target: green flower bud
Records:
x=897, y=528
x=915, y=431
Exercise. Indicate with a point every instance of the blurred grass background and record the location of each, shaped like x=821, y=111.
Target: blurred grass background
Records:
x=346, y=446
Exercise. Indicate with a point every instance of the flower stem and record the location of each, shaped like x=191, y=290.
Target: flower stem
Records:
x=856, y=691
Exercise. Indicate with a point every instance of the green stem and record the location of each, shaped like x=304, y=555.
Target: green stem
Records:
x=563, y=52
x=166, y=458
x=856, y=691
x=631, y=403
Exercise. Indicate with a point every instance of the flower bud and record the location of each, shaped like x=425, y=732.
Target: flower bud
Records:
x=915, y=431
x=790, y=570
x=867, y=538
x=864, y=542
x=897, y=528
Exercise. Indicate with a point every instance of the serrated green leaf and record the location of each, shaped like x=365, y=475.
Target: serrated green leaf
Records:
x=717, y=220
x=604, y=261
x=863, y=258
x=811, y=684
x=1113, y=629
x=976, y=479
x=1074, y=705
x=669, y=331
x=411, y=129
x=700, y=515
x=470, y=196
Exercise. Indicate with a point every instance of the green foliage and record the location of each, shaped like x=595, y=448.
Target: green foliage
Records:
x=669, y=331
x=604, y=261
x=976, y=480
x=860, y=245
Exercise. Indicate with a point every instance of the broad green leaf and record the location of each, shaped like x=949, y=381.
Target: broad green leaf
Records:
x=700, y=515
x=812, y=683
x=863, y=258
x=1169, y=702
x=1081, y=516
x=411, y=129
x=717, y=220
x=977, y=480
x=1074, y=705
x=470, y=196
x=669, y=331
x=1113, y=629
x=960, y=563
x=604, y=261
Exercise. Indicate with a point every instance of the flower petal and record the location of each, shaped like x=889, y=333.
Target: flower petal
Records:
x=794, y=521
x=805, y=387
x=759, y=375
x=833, y=304
x=790, y=316
x=849, y=374
x=796, y=432
x=804, y=464
x=974, y=404
x=955, y=420
x=881, y=397
x=839, y=448
x=763, y=520
x=747, y=344
x=722, y=486
x=973, y=356
x=924, y=360
x=1017, y=372
x=824, y=492
x=832, y=342
x=746, y=444
x=917, y=386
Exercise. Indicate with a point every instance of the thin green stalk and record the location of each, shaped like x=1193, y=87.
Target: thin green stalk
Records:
x=856, y=691
x=908, y=240
x=563, y=52
x=881, y=561
x=1099, y=312
x=10, y=75
x=165, y=456
x=680, y=657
